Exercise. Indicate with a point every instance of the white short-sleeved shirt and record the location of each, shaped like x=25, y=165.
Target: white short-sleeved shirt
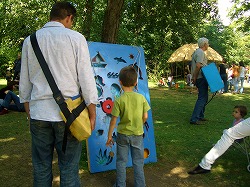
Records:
x=66, y=53
x=198, y=57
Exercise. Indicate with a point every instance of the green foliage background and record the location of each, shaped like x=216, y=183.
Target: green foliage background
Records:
x=179, y=145
x=160, y=27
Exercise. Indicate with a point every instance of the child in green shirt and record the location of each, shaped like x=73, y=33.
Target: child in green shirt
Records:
x=132, y=109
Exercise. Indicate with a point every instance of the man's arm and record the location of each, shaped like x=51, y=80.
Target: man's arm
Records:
x=92, y=115
x=25, y=86
x=27, y=109
x=86, y=74
x=196, y=71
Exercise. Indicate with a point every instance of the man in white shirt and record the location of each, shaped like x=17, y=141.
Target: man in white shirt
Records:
x=66, y=53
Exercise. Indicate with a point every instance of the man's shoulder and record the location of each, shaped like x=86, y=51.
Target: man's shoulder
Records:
x=199, y=51
x=57, y=28
x=71, y=33
x=196, y=53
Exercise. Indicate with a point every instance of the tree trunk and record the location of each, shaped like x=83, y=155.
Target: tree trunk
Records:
x=88, y=18
x=112, y=21
x=138, y=17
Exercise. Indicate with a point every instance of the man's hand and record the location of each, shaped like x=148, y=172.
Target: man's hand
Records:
x=196, y=72
x=92, y=123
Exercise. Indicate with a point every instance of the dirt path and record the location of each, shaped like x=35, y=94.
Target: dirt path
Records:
x=18, y=172
x=16, y=167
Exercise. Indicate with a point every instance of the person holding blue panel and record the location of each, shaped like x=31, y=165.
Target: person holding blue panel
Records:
x=199, y=60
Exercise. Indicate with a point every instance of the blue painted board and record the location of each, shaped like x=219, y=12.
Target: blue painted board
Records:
x=107, y=61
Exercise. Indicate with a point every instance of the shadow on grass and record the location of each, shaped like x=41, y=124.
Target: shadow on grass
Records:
x=180, y=146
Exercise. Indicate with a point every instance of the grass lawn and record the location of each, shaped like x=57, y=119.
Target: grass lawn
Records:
x=184, y=145
x=180, y=146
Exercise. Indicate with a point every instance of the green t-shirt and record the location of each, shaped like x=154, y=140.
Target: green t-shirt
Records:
x=130, y=107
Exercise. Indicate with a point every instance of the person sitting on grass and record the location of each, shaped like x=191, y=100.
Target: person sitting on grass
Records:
x=10, y=86
x=239, y=113
x=8, y=75
x=7, y=103
x=162, y=82
x=132, y=109
x=239, y=130
x=170, y=80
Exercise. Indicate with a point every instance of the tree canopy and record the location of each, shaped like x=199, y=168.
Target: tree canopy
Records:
x=159, y=26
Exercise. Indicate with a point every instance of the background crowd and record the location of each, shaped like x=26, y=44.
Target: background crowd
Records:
x=233, y=77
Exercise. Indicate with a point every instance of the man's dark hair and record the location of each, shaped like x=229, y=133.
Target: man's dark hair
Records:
x=128, y=76
x=242, y=109
x=241, y=63
x=61, y=10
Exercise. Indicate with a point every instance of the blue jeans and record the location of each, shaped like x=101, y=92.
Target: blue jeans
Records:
x=1, y=102
x=199, y=108
x=45, y=137
x=230, y=83
x=236, y=81
x=241, y=84
x=224, y=79
x=135, y=145
x=10, y=96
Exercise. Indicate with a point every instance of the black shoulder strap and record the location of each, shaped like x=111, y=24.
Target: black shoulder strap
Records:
x=56, y=92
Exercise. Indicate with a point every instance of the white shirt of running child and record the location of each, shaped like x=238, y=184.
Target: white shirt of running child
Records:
x=67, y=55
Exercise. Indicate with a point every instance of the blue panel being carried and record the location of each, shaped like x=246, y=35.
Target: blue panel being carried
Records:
x=213, y=77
